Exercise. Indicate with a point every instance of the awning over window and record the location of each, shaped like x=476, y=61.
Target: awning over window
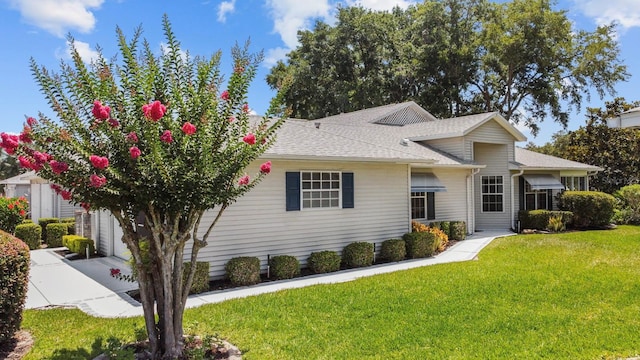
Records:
x=426, y=182
x=543, y=182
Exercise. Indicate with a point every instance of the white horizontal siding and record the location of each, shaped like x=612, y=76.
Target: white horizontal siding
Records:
x=259, y=225
x=453, y=146
x=450, y=205
x=492, y=133
x=101, y=233
x=495, y=157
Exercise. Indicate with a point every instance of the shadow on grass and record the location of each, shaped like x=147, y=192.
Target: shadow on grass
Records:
x=99, y=346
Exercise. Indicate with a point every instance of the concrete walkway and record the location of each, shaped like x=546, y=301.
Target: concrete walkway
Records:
x=87, y=284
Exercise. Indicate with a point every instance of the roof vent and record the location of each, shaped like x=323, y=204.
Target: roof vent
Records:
x=317, y=124
x=404, y=142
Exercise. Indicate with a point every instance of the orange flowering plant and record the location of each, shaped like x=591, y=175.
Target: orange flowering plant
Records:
x=12, y=212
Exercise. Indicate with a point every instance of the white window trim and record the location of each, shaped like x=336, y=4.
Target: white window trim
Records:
x=426, y=207
x=482, y=193
x=303, y=191
x=572, y=180
x=527, y=190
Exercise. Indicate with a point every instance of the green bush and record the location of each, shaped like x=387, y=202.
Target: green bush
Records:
x=43, y=222
x=457, y=230
x=284, y=267
x=27, y=221
x=445, y=226
x=243, y=270
x=436, y=225
x=55, y=232
x=628, y=207
x=393, y=250
x=357, y=254
x=539, y=219
x=589, y=208
x=200, y=278
x=323, y=262
x=14, y=280
x=68, y=220
x=420, y=244
x=78, y=244
x=12, y=212
x=30, y=233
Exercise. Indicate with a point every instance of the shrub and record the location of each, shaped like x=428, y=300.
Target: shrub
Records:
x=628, y=211
x=200, y=278
x=417, y=226
x=556, y=224
x=445, y=226
x=14, y=279
x=43, y=222
x=589, y=208
x=68, y=220
x=284, y=267
x=55, y=232
x=357, y=254
x=27, y=221
x=323, y=262
x=243, y=270
x=393, y=250
x=435, y=225
x=420, y=244
x=457, y=230
x=71, y=224
x=441, y=238
x=539, y=219
x=78, y=244
x=12, y=212
x=30, y=233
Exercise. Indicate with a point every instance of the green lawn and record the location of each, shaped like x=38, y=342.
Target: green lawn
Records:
x=568, y=296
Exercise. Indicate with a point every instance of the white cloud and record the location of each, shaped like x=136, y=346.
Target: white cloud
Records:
x=86, y=53
x=59, y=16
x=226, y=7
x=624, y=12
x=165, y=50
x=290, y=16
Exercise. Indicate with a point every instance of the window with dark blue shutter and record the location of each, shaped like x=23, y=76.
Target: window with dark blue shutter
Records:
x=431, y=206
x=347, y=191
x=293, y=191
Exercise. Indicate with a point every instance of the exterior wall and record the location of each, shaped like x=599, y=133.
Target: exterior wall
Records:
x=67, y=209
x=102, y=233
x=452, y=204
x=42, y=201
x=259, y=225
x=492, y=133
x=453, y=146
x=496, y=159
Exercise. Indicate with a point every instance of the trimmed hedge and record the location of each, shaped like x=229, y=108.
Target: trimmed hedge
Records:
x=200, y=278
x=323, y=262
x=71, y=225
x=539, y=219
x=284, y=267
x=244, y=270
x=43, y=222
x=457, y=230
x=14, y=280
x=420, y=244
x=55, y=232
x=393, y=250
x=357, y=254
x=589, y=208
x=78, y=244
x=30, y=233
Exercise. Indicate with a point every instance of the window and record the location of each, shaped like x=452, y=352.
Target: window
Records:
x=320, y=189
x=423, y=205
x=534, y=199
x=578, y=183
x=492, y=194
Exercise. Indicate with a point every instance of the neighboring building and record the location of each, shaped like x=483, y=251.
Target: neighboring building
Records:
x=628, y=119
x=363, y=176
x=43, y=201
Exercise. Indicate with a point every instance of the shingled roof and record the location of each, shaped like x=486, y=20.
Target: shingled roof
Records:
x=530, y=160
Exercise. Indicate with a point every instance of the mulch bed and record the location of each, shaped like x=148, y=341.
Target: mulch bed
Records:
x=17, y=347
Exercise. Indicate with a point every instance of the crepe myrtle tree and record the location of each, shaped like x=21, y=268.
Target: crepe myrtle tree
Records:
x=160, y=137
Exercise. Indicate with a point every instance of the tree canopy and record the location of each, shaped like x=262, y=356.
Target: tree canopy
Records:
x=615, y=150
x=453, y=57
x=158, y=137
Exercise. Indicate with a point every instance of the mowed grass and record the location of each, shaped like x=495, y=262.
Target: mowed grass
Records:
x=567, y=296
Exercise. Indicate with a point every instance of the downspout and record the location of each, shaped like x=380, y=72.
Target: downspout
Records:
x=471, y=221
x=513, y=199
x=409, y=197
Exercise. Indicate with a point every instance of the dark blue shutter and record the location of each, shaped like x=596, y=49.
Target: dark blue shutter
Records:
x=347, y=191
x=431, y=206
x=293, y=191
x=521, y=193
x=549, y=199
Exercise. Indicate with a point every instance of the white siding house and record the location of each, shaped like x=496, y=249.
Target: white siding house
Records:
x=363, y=176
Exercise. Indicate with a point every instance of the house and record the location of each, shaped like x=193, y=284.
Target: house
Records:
x=43, y=201
x=627, y=119
x=363, y=176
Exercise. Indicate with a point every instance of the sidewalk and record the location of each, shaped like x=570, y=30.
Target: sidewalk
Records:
x=87, y=284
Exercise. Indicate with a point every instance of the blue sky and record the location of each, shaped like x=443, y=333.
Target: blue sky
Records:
x=37, y=28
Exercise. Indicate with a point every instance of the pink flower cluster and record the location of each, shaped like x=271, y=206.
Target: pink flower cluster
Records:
x=66, y=194
x=266, y=167
x=134, y=152
x=154, y=111
x=244, y=180
x=225, y=95
x=58, y=167
x=99, y=162
x=97, y=180
x=250, y=139
x=188, y=128
x=166, y=137
x=36, y=160
x=9, y=143
x=101, y=112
